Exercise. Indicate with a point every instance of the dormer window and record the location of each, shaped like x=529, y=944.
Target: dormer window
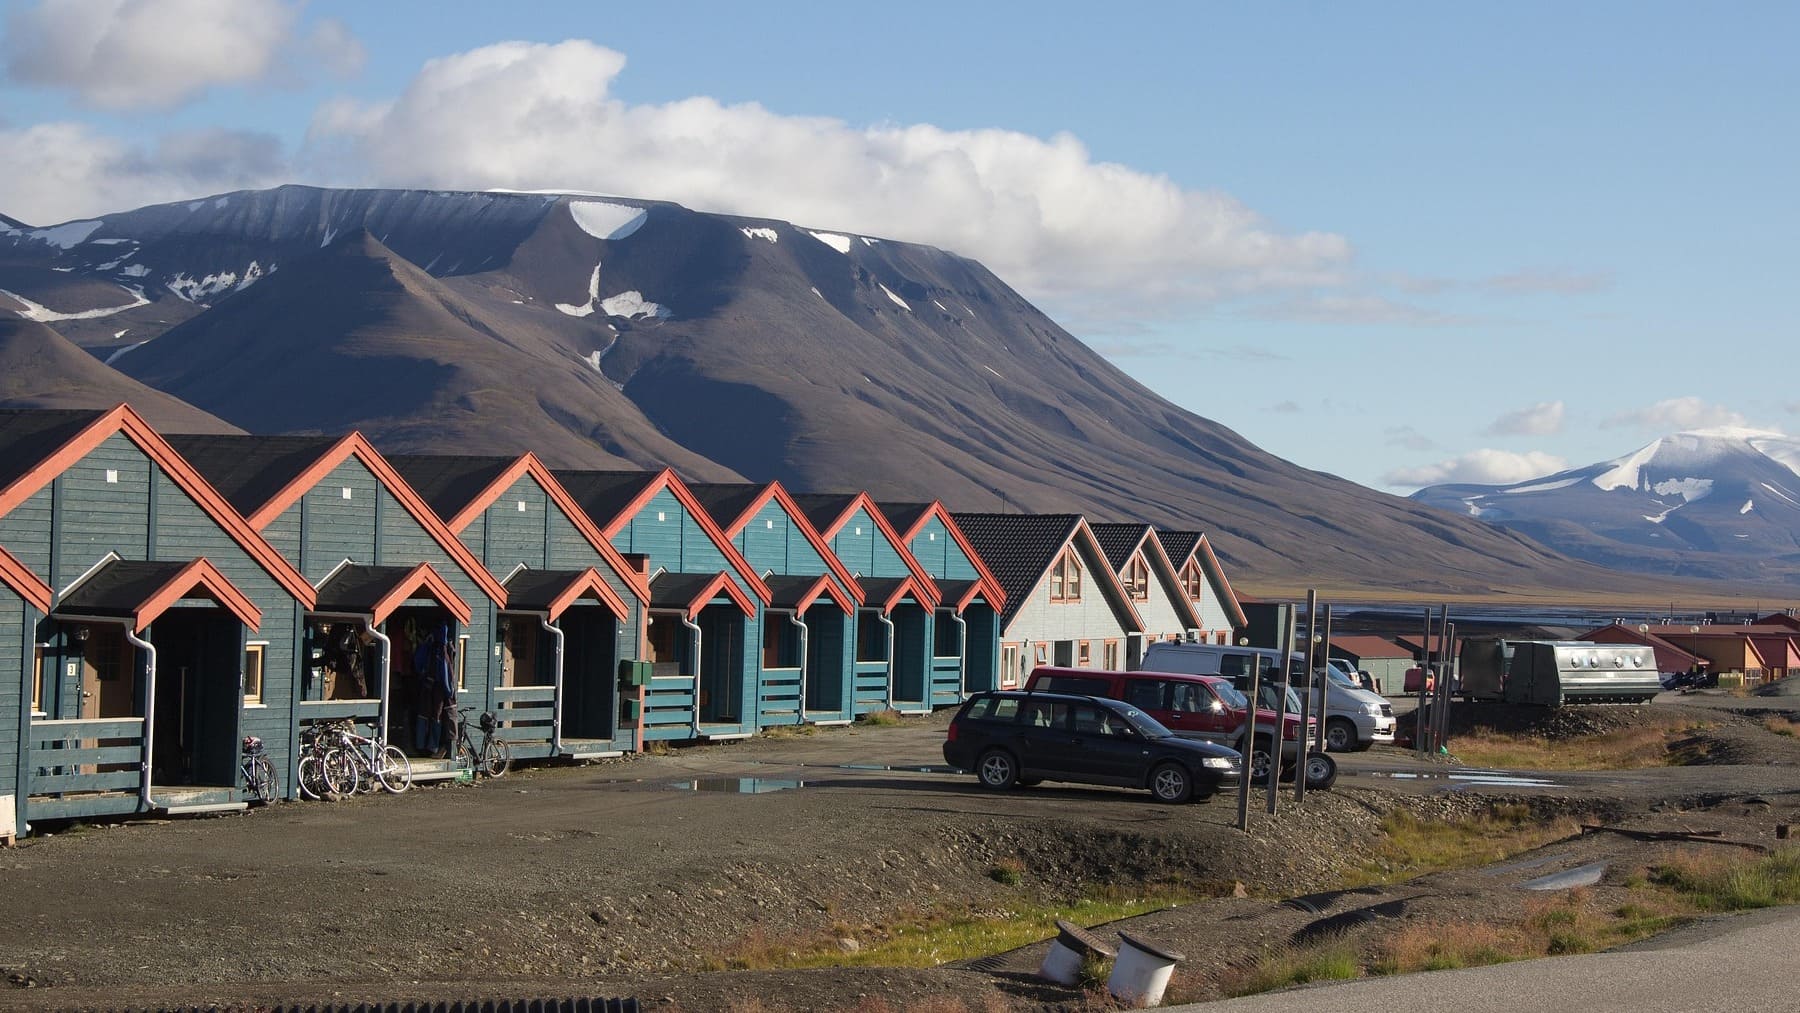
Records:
x=1065, y=578
x=1193, y=582
x=1137, y=579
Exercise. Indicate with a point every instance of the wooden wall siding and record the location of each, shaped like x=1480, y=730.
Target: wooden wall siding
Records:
x=939, y=554
x=183, y=531
x=1213, y=613
x=517, y=535
x=868, y=553
x=1159, y=614
x=337, y=528
x=283, y=533
x=1040, y=621
x=771, y=541
x=26, y=532
x=15, y=696
x=98, y=516
x=676, y=543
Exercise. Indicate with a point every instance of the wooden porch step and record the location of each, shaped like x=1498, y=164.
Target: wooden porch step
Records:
x=427, y=769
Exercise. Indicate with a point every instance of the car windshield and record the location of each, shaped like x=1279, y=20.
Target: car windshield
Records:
x=1146, y=725
x=1271, y=692
x=1338, y=676
x=1233, y=699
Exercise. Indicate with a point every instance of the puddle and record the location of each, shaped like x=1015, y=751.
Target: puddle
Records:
x=1585, y=875
x=738, y=785
x=1498, y=778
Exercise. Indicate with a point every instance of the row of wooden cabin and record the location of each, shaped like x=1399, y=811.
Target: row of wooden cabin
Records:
x=161, y=597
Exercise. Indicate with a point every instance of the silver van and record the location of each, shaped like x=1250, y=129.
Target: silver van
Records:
x=1355, y=718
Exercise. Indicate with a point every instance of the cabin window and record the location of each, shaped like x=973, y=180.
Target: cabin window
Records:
x=781, y=642
x=1110, y=655
x=1065, y=578
x=253, y=674
x=1192, y=581
x=661, y=636
x=1137, y=579
x=871, y=636
x=1009, y=663
x=37, y=679
x=1084, y=655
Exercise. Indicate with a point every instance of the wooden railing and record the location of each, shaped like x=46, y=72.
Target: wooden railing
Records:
x=778, y=697
x=84, y=757
x=669, y=703
x=526, y=713
x=871, y=687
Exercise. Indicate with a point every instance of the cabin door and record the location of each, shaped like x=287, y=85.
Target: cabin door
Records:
x=108, y=678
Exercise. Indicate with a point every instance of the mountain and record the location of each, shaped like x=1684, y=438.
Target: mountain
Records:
x=40, y=368
x=599, y=330
x=1711, y=503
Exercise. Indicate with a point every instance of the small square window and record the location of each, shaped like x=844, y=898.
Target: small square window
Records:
x=346, y=492
x=112, y=476
x=521, y=506
x=253, y=673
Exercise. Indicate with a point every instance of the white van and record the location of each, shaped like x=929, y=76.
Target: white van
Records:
x=1355, y=718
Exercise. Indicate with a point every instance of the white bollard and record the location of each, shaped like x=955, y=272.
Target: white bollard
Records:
x=1071, y=946
x=1141, y=973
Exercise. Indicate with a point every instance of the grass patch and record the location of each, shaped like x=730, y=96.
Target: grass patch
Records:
x=1652, y=745
x=1782, y=726
x=790, y=731
x=1327, y=960
x=1008, y=872
x=883, y=718
x=937, y=936
x=1412, y=847
x=1722, y=881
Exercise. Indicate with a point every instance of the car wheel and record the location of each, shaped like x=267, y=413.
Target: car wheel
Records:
x=1321, y=771
x=1259, y=761
x=997, y=769
x=1171, y=782
x=1340, y=735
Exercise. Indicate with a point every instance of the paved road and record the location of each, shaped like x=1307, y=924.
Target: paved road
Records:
x=1745, y=964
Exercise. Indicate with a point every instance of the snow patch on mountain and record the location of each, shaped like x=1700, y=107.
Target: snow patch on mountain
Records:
x=768, y=234
x=116, y=356
x=586, y=308
x=833, y=240
x=1689, y=489
x=1623, y=472
x=134, y=270
x=633, y=304
x=1749, y=505
x=190, y=290
x=1783, y=450
x=1780, y=494
x=607, y=221
x=67, y=235
x=897, y=300
x=1540, y=486
x=45, y=315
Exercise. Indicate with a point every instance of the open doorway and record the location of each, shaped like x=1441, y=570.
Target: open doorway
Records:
x=827, y=655
x=590, y=672
x=199, y=654
x=722, y=679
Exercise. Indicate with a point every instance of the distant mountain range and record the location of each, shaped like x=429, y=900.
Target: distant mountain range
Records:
x=1720, y=504
x=603, y=332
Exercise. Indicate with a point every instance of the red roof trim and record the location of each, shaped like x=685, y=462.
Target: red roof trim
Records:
x=777, y=492
x=19, y=577
x=975, y=591
x=589, y=581
x=123, y=419
x=667, y=478
x=357, y=446
x=1110, y=584
x=422, y=577
x=867, y=504
x=1170, y=578
x=722, y=582
x=530, y=464
x=202, y=574
x=1230, y=598
x=995, y=594
x=825, y=587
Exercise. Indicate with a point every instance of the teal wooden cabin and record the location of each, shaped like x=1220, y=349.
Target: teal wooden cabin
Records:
x=895, y=640
x=965, y=657
x=574, y=606
x=806, y=665
x=147, y=629
x=390, y=577
x=705, y=612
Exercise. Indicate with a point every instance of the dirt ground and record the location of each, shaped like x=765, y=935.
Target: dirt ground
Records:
x=626, y=878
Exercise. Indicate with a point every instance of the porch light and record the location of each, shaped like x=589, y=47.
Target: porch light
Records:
x=81, y=634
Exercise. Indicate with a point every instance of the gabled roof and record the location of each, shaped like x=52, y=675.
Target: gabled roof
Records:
x=906, y=517
x=272, y=473
x=141, y=591
x=376, y=591
x=890, y=592
x=691, y=592
x=734, y=505
x=25, y=434
x=25, y=584
x=1021, y=549
x=31, y=469
x=800, y=593
x=461, y=488
x=1181, y=546
x=1122, y=542
x=920, y=514
x=843, y=506
x=613, y=498
x=958, y=594
x=553, y=591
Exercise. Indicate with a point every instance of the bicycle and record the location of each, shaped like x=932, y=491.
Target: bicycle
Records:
x=493, y=758
x=258, y=770
x=376, y=762
x=324, y=771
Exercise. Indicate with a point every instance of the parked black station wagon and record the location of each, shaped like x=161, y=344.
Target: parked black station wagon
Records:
x=1011, y=739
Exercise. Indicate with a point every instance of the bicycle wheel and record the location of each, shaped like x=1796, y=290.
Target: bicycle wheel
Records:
x=464, y=754
x=260, y=778
x=496, y=757
x=311, y=778
x=393, y=770
x=340, y=775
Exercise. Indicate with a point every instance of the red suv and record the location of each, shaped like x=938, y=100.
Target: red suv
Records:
x=1193, y=706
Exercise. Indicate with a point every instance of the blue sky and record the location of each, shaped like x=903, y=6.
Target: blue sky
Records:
x=1396, y=242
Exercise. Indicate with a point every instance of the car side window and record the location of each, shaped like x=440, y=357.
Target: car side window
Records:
x=1046, y=714
x=1232, y=664
x=1095, y=721
x=1145, y=694
x=995, y=708
x=1074, y=684
x=1189, y=697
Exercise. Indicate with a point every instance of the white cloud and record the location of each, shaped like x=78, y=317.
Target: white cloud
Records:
x=1544, y=419
x=1043, y=214
x=1539, y=282
x=1479, y=467
x=157, y=54
x=1675, y=414
x=1408, y=438
x=59, y=171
